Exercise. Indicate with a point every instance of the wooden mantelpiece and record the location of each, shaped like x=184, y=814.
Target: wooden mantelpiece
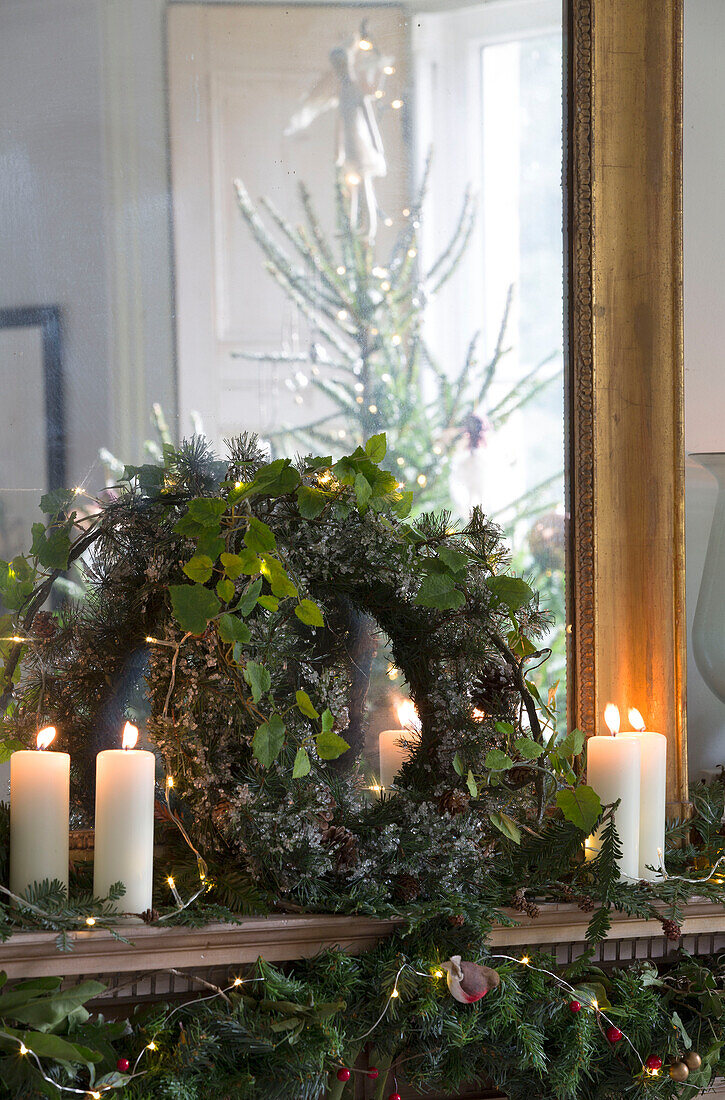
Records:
x=559, y=929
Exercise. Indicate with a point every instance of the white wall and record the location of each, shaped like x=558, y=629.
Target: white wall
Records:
x=704, y=238
x=84, y=220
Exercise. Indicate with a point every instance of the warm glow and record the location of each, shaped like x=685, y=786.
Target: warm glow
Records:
x=437, y=973
x=389, y=70
x=130, y=736
x=636, y=720
x=352, y=179
x=45, y=737
x=477, y=714
x=395, y=993
x=408, y=715
x=23, y=1048
x=365, y=44
x=396, y=104
x=169, y=781
x=525, y=960
x=90, y=921
x=237, y=981
x=151, y=1046
x=611, y=717
x=171, y=882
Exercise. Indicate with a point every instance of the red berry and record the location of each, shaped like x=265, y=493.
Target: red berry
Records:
x=395, y=1096
x=654, y=1062
x=373, y=1073
x=123, y=1065
x=575, y=1006
x=343, y=1074
x=614, y=1034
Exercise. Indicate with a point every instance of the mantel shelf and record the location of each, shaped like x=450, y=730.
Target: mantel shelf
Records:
x=280, y=938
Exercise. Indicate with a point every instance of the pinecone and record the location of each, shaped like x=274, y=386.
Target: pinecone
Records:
x=566, y=892
x=220, y=812
x=494, y=690
x=518, y=901
x=671, y=929
x=457, y=921
x=453, y=802
x=407, y=887
x=586, y=904
x=43, y=625
x=340, y=838
x=149, y=916
x=521, y=904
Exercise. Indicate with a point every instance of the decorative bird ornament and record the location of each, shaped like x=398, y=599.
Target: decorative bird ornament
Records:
x=468, y=982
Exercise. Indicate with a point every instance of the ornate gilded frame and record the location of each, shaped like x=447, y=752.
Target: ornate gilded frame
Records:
x=625, y=391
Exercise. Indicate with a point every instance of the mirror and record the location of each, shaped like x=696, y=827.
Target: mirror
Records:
x=388, y=260
x=704, y=241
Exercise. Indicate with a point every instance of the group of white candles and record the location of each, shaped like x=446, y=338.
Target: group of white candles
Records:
x=631, y=767
x=124, y=827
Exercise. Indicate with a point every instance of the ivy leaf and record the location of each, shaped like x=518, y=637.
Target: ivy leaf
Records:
x=276, y=574
x=302, y=764
x=57, y=500
x=309, y=613
x=363, y=491
x=376, y=447
x=271, y=603
x=404, y=504
x=191, y=527
x=528, y=748
x=248, y=599
x=258, y=536
x=439, y=591
x=498, y=761
x=581, y=806
x=51, y=548
x=268, y=741
x=199, y=568
x=572, y=744
x=454, y=560
x=276, y=478
x=236, y=564
x=511, y=591
x=193, y=606
x=505, y=728
x=330, y=745
x=210, y=543
x=471, y=784
x=7, y=748
x=310, y=501
x=225, y=590
x=458, y=765
x=207, y=510
x=232, y=629
x=258, y=678
x=505, y=825
x=306, y=705
x=328, y=719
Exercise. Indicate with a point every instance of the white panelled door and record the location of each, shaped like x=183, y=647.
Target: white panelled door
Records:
x=236, y=76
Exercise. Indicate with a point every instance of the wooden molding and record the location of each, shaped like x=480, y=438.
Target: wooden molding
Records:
x=626, y=447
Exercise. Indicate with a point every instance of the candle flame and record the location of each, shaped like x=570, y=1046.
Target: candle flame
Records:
x=45, y=737
x=638, y=722
x=611, y=717
x=408, y=715
x=130, y=736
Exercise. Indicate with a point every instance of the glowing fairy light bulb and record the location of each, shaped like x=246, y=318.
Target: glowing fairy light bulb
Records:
x=365, y=45
x=389, y=70
x=396, y=104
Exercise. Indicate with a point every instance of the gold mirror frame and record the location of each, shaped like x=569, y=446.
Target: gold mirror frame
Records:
x=625, y=455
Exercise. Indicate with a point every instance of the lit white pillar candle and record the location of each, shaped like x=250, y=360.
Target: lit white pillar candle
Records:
x=39, y=800
x=124, y=838
x=613, y=770
x=652, y=794
x=393, y=753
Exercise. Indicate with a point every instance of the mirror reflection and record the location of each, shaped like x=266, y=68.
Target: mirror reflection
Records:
x=315, y=222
